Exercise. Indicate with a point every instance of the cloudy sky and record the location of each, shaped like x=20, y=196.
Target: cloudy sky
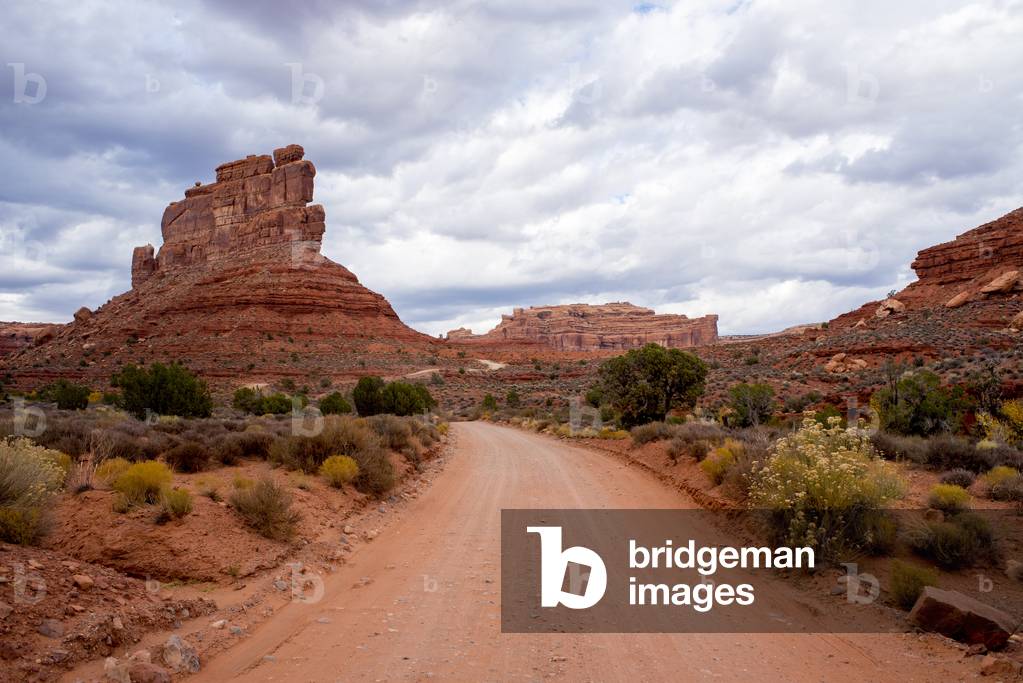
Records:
x=774, y=162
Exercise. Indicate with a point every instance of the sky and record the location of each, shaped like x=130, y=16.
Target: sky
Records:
x=773, y=162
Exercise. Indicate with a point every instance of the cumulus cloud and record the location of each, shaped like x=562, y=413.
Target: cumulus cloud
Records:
x=772, y=162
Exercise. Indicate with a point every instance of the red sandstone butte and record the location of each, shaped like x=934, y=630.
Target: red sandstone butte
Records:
x=239, y=281
x=585, y=327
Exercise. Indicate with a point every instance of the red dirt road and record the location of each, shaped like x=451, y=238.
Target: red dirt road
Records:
x=431, y=607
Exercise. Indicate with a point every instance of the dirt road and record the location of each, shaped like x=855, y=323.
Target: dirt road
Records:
x=422, y=602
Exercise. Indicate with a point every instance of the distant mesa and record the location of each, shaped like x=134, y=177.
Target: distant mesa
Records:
x=586, y=327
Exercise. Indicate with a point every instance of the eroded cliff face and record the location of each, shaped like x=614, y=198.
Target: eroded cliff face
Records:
x=981, y=268
x=238, y=282
x=585, y=327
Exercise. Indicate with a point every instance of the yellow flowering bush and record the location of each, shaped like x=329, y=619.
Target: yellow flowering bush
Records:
x=720, y=460
x=29, y=476
x=1007, y=427
x=824, y=487
x=339, y=470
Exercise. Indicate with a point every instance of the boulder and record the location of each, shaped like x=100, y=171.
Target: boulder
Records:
x=1017, y=321
x=116, y=671
x=83, y=581
x=1003, y=283
x=888, y=307
x=958, y=300
x=145, y=672
x=962, y=618
x=83, y=314
x=179, y=656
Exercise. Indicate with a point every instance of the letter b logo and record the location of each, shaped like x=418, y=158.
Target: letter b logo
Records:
x=554, y=563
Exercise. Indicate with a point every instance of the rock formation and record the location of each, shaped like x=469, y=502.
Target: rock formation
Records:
x=239, y=281
x=585, y=327
x=17, y=336
x=981, y=265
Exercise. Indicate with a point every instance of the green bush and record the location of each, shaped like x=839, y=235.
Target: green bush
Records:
x=67, y=396
x=909, y=581
x=751, y=404
x=512, y=399
x=948, y=498
x=339, y=470
x=404, y=399
x=176, y=503
x=163, y=390
x=821, y=487
x=643, y=385
x=266, y=507
x=142, y=482
x=29, y=477
x=916, y=403
x=366, y=395
x=335, y=404
x=489, y=403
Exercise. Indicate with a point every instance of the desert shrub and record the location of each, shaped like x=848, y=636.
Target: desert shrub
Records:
x=720, y=460
x=339, y=470
x=999, y=475
x=66, y=395
x=821, y=486
x=489, y=403
x=366, y=395
x=916, y=403
x=68, y=435
x=1006, y=424
x=751, y=404
x=995, y=454
x=644, y=384
x=756, y=446
x=403, y=398
x=175, y=503
x=959, y=477
x=960, y=541
x=394, y=432
x=335, y=404
x=142, y=482
x=896, y=447
x=226, y=449
x=242, y=482
x=442, y=428
x=189, y=456
x=209, y=487
x=253, y=442
x=948, y=498
x=266, y=507
x=651, y=431
x=29, y=477
x=163, y=390
x=110, y=469
x=247, y=400
x=949, y=452
x=908, y=582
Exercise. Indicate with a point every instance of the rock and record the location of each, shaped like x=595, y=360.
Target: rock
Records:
x=218, y=624
x=17, y=336
x=1014, y=570
x=972, y=255
x=236, y=630
x=116, y=671
x=349, y=529
x=51, y=628
x=146, y=672
x=962, y=618
x=999, y=666
x=585, y=327
x=958, y=300
x=1003, y=283
x=83, y=314
x=179, y=656
x=5, y=610
x=243, y=248
x=888, y=307
x=83, y=581
x=1017, y=321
